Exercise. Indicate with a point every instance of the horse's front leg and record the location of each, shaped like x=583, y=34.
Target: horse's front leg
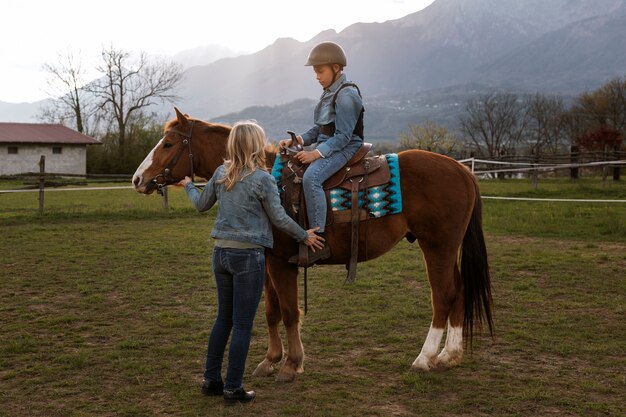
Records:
x=284, y=277
x=273, y=316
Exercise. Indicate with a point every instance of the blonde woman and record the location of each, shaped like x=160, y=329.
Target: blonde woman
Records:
x=248, y=205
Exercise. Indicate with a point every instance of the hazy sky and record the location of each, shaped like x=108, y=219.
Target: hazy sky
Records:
x=34, y=32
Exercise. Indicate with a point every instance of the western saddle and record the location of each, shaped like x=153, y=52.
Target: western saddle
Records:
x=361, y=171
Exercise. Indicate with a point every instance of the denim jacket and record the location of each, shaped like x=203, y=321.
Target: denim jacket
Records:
x=345, y=116
x=247, y=211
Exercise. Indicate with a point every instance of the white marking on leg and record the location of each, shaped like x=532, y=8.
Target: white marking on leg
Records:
x=453, y=349
x=429, y=351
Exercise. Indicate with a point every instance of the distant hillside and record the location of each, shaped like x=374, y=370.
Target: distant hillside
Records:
x=439, y=55
x=385, y=116
x=449, y=43
x=580, y=55
x=20, y=112
x=203, y=55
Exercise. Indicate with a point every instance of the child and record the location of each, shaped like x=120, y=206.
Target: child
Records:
x=248, y=202
x=338, y=132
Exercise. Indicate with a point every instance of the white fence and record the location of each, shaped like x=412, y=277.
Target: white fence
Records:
x=512, y=167
x=530, y=167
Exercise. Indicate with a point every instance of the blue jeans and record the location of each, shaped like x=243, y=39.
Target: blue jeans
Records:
x=239, y=275
x=314, y=176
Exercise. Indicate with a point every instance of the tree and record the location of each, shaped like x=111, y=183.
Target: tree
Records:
x=601, y=119
x=128, y=86
x=144, y=132
x=605, y=106
x=431, y=137
x=72, y=103
x=545, y=124
x=494, y=123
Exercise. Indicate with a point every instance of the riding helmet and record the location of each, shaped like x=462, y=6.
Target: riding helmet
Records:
x=326, y=53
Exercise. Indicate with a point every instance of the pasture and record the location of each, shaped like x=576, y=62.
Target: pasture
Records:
x=106, y=302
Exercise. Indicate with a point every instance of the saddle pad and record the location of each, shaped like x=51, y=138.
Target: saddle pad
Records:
x=381, y=200
x=277, y=170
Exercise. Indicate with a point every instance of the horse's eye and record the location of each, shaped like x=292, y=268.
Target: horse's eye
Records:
x=167, y=145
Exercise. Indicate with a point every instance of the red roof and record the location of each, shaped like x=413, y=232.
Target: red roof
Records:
x=42, y=133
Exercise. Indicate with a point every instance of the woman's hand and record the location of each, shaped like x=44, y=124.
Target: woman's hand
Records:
x=185, y=181
x=314, y=241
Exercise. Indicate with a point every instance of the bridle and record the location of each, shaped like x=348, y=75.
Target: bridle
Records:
x=163, y=177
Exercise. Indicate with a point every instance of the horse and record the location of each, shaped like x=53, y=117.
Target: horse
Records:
x=441, y=209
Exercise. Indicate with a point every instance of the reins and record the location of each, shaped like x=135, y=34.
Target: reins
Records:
x=168, y=168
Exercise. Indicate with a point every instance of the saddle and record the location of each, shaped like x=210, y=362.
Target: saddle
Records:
x=361, y=171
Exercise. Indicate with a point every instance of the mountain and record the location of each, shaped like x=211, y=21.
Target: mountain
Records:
x=449, y=43
x=203, y=55
x=424, y=65
x=581, y=54
x=20, y=112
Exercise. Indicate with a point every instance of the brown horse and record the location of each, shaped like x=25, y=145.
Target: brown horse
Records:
x=441, y=208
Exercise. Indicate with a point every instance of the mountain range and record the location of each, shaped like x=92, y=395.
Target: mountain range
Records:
x=424, y=65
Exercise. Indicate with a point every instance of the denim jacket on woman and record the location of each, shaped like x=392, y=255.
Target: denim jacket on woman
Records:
x=345, y=115
x=246, y=212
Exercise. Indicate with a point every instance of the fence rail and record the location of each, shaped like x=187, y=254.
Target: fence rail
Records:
x=535, y=166
x=512, y=167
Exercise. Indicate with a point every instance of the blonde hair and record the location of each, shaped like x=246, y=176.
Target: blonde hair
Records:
x=245, y=152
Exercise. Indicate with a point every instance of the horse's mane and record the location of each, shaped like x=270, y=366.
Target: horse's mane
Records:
x=271, y=148
x=217, y=128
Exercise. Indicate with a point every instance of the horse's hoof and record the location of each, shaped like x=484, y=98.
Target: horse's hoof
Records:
x=264, y=369
x=285, y=375
x=448, y=360
x=422, y=364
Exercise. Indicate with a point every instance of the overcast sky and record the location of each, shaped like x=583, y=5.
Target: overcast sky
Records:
x=34, y=32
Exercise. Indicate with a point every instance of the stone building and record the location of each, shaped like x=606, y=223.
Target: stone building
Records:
x=22, y=144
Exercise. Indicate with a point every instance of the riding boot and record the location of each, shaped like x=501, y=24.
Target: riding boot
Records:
x=306, y=256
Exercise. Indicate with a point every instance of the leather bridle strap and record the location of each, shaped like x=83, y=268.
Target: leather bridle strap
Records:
x=186, y=143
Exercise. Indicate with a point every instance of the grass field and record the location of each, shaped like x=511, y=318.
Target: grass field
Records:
x=106, y=301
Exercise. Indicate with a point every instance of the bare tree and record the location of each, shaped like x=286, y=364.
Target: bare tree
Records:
x=545, y=124
x=613, y=94
x=431, y=137
x=494, y=123
x=128, y=86
x=71, y=101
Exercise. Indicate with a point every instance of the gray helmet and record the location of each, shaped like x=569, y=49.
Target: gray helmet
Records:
x=326, y=53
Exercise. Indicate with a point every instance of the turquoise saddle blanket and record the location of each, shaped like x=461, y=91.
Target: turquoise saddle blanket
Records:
x=378, y=201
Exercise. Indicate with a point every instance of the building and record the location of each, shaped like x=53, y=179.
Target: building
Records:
x=22, y=144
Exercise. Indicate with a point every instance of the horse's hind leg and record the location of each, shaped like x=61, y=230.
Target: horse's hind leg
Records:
x=273, y=316
x=442, y=271
x=453, y=348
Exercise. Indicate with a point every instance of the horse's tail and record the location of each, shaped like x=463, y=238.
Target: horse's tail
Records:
x=475, y=274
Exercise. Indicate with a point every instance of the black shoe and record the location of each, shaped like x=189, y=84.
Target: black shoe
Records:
x=212, y=388
x=238, y=395
x=313, y=257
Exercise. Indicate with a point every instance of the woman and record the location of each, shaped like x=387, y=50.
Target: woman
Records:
x=248, y=205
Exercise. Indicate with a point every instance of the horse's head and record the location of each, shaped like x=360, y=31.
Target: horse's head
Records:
x=171, y=159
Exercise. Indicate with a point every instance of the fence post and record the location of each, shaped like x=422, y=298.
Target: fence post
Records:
x=616, y=168
x=42, y=180
x=574, y=160
x=534, y=177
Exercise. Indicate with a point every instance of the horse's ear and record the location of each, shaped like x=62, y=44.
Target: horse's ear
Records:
x=182, y=119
